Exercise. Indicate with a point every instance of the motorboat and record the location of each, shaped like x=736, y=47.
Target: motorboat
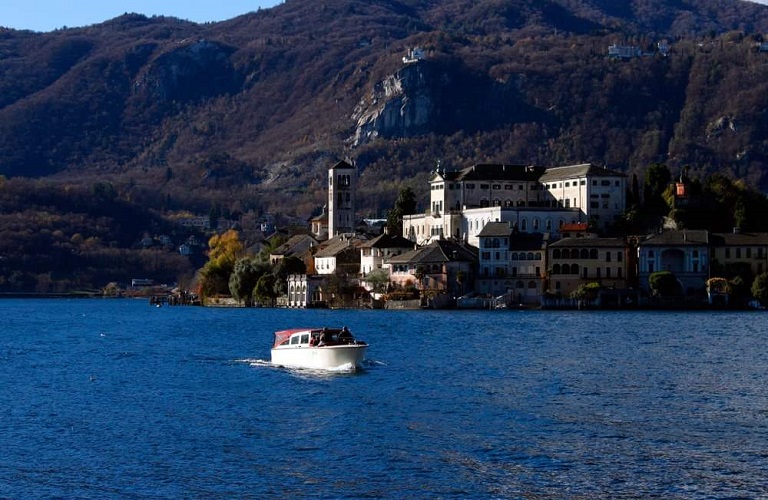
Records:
x=319, y=348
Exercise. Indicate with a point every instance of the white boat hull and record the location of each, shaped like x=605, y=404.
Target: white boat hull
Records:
x=325, y=358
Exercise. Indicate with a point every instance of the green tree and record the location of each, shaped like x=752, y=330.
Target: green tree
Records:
x=287, y=266
x=264, y=292
x=244, y=277
x=664, y=284
x=224, y=250
x=405, y=204
x=378, y=279
x=760, y=288
x=657, y=180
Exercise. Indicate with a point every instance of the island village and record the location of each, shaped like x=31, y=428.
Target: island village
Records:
x=499, y=236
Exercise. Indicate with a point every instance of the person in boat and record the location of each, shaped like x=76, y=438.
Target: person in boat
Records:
x=345, y=335
x=323, y=338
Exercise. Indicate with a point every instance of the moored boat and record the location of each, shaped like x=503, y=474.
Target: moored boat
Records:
x=320, y=348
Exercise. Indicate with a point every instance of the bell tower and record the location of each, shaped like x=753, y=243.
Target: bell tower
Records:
x=342, y=185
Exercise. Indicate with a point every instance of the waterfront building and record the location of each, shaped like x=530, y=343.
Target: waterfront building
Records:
x=376, y=253
x=573, y=262
x=739, y=254
x=339, y=255
x=685, y=253
x=512, y=263
x=444, y=265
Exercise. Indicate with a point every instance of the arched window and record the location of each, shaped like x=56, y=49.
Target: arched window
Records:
x=566, y=253
x=529, y=256
x=531, y=284
x=535, y=223
x=556, y=253
x=575, y=269
x=593, y=253
x=524, y=225
x=508, y=203
x=538, y=256
x=556, y=269
x=584, y=254
x=549, y=225
x=513, y=256
x=496, y=243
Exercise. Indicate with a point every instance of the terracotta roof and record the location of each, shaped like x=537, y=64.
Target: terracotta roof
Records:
x=575, y=226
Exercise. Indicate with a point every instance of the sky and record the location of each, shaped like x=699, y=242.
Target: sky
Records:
x=48, y=15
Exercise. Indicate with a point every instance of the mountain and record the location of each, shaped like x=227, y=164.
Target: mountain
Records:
x=248, y=114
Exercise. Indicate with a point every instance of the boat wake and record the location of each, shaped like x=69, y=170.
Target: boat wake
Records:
x=342, y=369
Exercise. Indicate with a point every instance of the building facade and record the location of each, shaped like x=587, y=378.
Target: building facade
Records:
x=536, y=199
x=573, y=262
x=342, y=191
x=684, y=253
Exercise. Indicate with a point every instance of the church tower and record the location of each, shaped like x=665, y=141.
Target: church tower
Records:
x=342, y=180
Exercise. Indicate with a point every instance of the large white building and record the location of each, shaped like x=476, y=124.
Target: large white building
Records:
x=533, y=199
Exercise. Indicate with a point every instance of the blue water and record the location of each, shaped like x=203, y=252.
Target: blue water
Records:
x=116, y=399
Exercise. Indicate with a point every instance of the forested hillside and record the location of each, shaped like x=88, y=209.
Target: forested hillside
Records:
x=246, y=115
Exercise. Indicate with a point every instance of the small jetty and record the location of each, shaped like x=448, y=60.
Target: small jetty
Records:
x=180, y=298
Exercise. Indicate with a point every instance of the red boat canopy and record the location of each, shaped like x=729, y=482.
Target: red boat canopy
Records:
x=284, y=335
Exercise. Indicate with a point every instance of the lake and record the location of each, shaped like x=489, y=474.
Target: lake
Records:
x=117, y=399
